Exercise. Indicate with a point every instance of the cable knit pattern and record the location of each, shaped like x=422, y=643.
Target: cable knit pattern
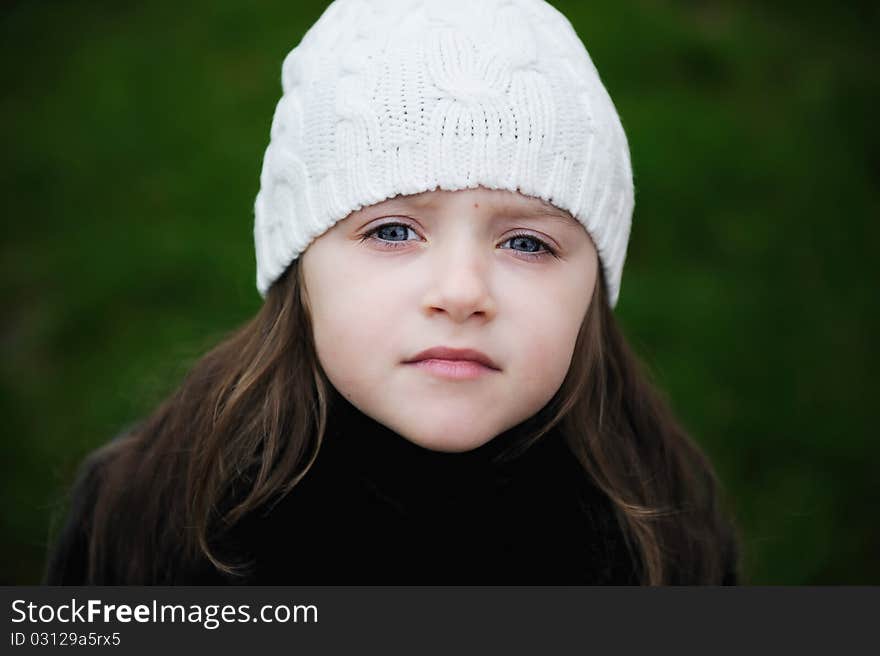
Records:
x=388, y=97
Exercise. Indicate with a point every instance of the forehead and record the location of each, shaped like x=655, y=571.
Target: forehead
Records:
x=492, y=201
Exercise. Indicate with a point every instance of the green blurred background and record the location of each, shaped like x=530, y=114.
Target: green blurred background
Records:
x=134, y=136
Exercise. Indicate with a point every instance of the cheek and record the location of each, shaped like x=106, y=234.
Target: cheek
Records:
x=353, y=334
x=546, y=331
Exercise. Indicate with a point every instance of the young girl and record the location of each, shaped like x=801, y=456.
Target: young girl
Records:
x=435, y=389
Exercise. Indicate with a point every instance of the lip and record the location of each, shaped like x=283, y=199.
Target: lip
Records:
x=457, y=364
x=455, y=369
x=460, y=356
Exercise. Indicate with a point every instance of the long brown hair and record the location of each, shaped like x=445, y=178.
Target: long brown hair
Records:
x=248, y=420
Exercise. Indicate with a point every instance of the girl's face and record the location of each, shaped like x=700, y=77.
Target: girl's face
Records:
x=468, y=269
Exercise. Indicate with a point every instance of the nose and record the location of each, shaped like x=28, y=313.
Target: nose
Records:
x=459, y=283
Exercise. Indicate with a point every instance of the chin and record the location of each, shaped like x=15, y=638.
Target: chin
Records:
x=447, y=441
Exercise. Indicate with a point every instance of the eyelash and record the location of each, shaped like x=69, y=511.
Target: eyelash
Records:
x=549, y=250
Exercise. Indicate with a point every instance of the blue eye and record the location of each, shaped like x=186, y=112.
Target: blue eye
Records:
x=391, y=230
x=548, y=250
x=393, y=235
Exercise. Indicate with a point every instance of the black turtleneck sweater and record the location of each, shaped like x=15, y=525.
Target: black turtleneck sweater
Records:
x=377, y=509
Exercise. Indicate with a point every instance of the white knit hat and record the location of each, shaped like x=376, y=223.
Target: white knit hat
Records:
x=389, y=97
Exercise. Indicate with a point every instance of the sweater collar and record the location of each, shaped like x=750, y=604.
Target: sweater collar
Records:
x=398, y=467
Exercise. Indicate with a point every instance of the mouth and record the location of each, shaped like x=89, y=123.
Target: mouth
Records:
x=454, y=369
x=459, y=364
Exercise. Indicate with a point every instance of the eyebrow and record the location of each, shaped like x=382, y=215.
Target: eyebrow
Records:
x=536, y=209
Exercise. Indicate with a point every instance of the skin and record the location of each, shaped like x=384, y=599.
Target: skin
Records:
x=451, y=275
